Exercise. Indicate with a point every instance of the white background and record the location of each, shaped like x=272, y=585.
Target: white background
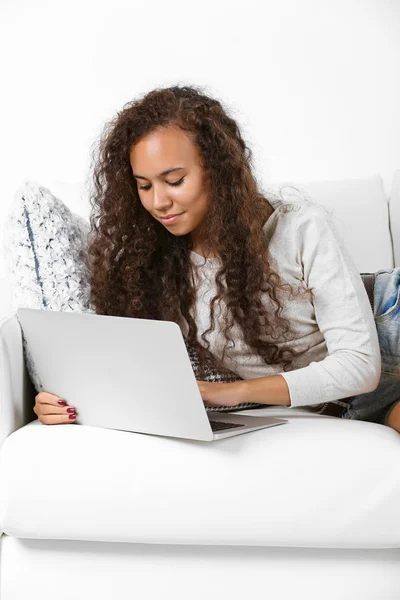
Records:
x=313, y=84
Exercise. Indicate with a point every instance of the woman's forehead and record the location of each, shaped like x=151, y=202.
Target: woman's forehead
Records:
x=161, y=150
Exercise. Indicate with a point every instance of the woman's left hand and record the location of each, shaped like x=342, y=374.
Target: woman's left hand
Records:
x=222, y=394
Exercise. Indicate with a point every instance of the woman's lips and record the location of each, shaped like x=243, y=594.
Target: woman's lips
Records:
x=171, y=219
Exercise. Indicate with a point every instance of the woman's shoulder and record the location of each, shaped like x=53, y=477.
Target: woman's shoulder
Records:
x=304, y=205
x=297, y=224
x=291, y=214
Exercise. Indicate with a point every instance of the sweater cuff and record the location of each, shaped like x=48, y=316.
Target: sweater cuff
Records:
x=305, y=388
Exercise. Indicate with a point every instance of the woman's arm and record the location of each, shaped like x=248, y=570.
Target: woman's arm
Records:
x=343, y=313
x=265, y=390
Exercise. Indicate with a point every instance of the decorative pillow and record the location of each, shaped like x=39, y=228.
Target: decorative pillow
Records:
x=45, y=248
x=46, y=252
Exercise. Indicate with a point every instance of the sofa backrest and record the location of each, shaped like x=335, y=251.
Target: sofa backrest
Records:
x=360, y=210
x=394, y=209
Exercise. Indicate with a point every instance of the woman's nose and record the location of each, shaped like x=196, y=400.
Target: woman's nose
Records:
x=160, y=199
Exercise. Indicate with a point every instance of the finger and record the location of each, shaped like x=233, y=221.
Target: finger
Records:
x=56, y=419
x=47, y=398
x=50, y=409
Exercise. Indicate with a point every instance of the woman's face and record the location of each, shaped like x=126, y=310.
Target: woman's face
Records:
x=181, y=191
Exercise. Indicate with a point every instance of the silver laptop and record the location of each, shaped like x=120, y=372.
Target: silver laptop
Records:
x=127, y=374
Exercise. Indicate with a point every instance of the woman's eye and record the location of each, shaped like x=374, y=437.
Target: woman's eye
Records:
x=177, y=182
x=147, y=187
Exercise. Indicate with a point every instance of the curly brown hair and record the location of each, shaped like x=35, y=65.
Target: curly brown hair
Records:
x=139, y=269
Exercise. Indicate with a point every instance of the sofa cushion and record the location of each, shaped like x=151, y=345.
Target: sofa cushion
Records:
x=317, y=482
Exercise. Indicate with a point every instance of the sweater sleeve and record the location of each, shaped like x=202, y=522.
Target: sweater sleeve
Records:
x=342, y=312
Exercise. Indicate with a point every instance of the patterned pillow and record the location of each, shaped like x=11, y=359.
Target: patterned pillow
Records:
x=45, y=248
x=45, y=251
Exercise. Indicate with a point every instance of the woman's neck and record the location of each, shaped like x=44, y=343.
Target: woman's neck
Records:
x=204, y=254
x=201, y=247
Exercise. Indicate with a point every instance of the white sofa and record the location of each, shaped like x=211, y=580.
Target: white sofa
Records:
x=306, y=510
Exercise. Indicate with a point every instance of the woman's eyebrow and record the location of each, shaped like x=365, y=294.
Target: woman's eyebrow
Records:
x=160, y=174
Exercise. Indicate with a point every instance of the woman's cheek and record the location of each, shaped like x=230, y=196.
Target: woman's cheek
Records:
x=144, y=203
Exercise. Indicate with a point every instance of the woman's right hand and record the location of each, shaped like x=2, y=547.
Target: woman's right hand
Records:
x=52, y=410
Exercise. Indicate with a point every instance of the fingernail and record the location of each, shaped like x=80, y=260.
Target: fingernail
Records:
x=62, y=403
x=71, y=416
x=71, y=410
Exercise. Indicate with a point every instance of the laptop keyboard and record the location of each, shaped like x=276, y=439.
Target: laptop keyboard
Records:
x=219, y=425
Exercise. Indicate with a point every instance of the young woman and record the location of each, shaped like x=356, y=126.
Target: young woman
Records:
x=264, y=292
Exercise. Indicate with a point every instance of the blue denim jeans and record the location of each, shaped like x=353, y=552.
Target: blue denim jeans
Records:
x=376, y=405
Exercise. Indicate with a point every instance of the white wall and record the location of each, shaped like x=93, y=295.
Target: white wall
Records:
x=314, y=84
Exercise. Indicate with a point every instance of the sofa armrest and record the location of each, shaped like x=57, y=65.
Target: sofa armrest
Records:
x=17, y=394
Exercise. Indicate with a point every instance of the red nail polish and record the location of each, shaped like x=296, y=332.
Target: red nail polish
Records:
x=71, y=416
x=62, y=403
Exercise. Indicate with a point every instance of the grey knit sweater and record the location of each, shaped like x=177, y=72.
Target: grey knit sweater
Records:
x=335, y=322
